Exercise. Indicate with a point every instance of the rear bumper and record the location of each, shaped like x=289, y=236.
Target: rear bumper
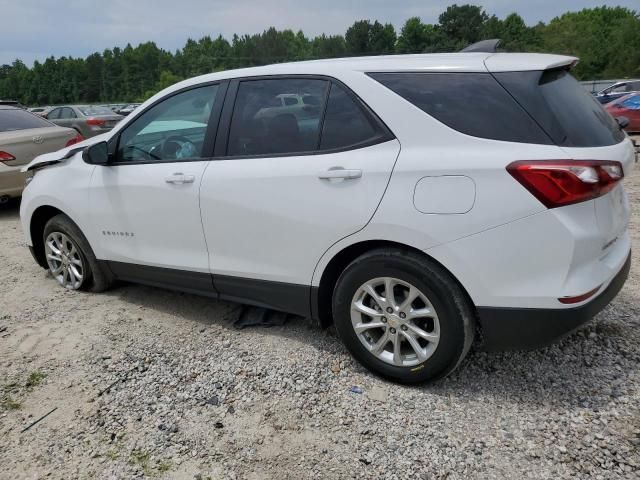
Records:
x=527, y=328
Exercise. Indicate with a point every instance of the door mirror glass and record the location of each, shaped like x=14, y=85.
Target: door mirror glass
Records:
x=97, y=154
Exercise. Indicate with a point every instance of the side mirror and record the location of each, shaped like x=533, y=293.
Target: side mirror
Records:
x=623, y=122
x=96, y=154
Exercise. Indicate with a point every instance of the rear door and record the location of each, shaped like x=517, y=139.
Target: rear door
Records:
x=287, y=183
x=145, y=204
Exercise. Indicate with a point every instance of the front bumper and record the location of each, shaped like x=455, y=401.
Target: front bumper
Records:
x=527, y=328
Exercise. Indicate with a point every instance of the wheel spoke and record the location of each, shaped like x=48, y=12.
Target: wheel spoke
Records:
x=76, y=273
x=76, y=261
x=54, y=248
x=65, y=276
x=415, y=346
x=421, y=313
x=411, y=296
x=372, y=292
x=429, y=336
x=54, y=257
x=378, y=347
x=397, y=354
x=72, y=275
x=361, y=327
x=362, y=308
x=388, y=292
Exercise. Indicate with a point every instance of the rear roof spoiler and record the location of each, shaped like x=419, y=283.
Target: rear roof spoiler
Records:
x=486, y=46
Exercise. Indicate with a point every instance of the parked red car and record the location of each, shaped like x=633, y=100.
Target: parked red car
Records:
x=628, y=107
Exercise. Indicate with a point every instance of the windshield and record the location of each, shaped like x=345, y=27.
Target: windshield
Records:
x=94, y=110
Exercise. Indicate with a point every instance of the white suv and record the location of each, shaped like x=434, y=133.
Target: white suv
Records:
x=417, y=202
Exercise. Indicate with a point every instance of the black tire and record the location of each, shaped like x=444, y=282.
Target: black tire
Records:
x=455, y=312
x=96, y=278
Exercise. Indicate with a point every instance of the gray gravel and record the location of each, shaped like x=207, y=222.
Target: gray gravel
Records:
x=193, y=398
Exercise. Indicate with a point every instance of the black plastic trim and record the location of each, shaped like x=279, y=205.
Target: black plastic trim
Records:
x=286, y=297
x=173, y=279
x=527, y=328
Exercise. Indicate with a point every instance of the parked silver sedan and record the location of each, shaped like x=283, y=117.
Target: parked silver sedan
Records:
x=24, y=136
x=88, y=120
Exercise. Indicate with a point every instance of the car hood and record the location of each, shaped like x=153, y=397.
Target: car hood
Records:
x=63, y=154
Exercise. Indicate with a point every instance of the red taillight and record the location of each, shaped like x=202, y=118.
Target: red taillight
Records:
x=6, y=157
x=563, y=182
x=579, y=298
x=98, y=122
x=77, y=139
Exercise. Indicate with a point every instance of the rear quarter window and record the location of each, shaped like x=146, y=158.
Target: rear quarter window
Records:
x=563, y=108
x=471, y=103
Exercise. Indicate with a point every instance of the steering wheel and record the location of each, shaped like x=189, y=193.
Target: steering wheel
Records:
x=176, y=143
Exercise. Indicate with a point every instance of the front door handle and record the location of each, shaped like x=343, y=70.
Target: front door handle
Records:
x=339, y=172
x=180, y=178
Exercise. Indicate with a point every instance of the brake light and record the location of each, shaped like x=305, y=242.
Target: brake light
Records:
x=6, y=157
x=563, y=182
x=77, y=139
x=97, y=122
x=579, y=298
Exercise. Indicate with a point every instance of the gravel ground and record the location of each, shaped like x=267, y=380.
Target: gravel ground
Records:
x=191, y=397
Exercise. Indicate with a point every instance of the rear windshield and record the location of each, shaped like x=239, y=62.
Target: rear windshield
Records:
x=563, y=108
x=471, y=103
x=16, y=119
x=95, y=110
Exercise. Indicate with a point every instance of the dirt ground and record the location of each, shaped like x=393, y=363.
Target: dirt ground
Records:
x=193, y=398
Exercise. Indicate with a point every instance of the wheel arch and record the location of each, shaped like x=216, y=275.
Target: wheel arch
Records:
x=322, y=294
x=39, y=219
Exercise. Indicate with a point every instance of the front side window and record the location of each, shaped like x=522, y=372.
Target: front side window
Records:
x=173, y=129
x=272, y=116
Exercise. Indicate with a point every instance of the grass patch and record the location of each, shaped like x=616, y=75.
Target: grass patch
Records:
x=35, y=379
x=112, y=454
x=164, y=466
x=140, y=458
x=8, y=403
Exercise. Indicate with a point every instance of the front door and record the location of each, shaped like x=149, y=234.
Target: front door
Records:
x=145, y=204
x=293, y=179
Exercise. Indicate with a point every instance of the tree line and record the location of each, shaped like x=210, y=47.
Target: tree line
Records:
x=607, y=40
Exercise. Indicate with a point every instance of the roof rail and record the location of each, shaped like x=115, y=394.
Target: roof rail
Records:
x=487, y=46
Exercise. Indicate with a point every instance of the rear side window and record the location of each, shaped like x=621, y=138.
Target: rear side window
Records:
x=11, y=120
x=471, y=103
x=262, y=124
x=563, y=108
x=345, y=124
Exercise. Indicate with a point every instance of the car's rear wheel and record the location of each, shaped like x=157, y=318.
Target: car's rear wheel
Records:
x=403, y=316
x=70, y=259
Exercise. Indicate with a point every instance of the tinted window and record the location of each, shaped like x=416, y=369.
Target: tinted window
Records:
x=261, y=124
x=472, y=103
x=173, y=129
x=563, y=108
x=54, y=114
x=11, y=120
x=345, y=123
x=66, y=113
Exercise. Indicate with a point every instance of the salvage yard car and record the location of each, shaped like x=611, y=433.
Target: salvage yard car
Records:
x=24, y=136
x=88, y=120
x=418, y=202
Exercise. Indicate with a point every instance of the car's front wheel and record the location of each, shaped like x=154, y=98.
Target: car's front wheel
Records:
x=403, y=316
x=70, y=259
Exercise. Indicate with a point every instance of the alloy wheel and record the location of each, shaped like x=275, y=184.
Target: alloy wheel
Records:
x=395, y=321
x=64, y=260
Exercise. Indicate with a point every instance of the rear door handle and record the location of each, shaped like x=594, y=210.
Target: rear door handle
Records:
x=179, y=178
x=339, y=172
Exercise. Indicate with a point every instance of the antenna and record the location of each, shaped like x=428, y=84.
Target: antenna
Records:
x=487, y=46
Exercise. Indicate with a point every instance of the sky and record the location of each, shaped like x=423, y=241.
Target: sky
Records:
x=36, y=29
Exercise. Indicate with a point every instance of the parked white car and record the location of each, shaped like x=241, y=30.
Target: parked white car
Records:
x=418, y=202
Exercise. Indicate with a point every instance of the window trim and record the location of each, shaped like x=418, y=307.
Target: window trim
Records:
x=209, y=136
x=384, y=134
